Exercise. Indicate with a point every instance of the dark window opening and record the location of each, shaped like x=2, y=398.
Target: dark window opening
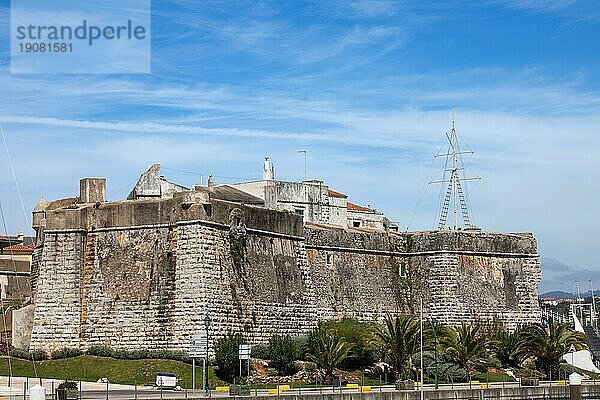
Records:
x=402, y=270
x=356, y=224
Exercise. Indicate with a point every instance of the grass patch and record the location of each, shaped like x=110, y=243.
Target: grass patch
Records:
x=92, y=368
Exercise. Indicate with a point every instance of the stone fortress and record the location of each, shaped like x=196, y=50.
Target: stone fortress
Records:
x=259, y=258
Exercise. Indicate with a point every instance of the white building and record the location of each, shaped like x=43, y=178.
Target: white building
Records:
x=315, y=201
x=312, y=199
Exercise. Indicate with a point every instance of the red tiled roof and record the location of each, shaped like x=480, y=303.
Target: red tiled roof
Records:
x=333, y=193
x=356, y=207
x=18, y=248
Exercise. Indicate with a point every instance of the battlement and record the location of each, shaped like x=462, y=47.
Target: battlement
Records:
x=143, y=273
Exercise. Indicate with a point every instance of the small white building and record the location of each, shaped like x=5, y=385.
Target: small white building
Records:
x=315, y=201
x=364, y=217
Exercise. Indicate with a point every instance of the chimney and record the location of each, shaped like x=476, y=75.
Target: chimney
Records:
x=20, y=237
x=92, y=190
x=267, y=171
x=211, y=184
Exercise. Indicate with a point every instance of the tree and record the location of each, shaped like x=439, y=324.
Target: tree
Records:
x=505, y=344
x=327, y=350
x=360, y=336
x=465, y=345
x=547, y=345
x=283, y=351
x=400, y=337
x=227, y=356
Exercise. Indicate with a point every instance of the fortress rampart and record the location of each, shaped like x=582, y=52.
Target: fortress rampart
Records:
x=144, y=273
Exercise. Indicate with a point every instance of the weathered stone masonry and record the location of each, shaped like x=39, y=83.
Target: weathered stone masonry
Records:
x=143, y=274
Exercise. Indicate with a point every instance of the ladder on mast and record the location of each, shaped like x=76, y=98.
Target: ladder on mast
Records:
x=454, y=191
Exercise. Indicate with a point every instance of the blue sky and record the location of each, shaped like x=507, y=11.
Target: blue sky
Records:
x=366, y=87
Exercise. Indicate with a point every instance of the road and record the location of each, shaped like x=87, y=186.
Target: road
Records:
x=99, y=391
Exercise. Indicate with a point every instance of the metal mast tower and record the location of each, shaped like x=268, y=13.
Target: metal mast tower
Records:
x=454, y=196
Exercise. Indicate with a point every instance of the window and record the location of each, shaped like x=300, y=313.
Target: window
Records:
x=356, y=224
x=329, y=258
x=402, y=269
x=299, y=211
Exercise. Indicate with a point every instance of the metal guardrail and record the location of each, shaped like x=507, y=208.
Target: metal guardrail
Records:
x=555, y=390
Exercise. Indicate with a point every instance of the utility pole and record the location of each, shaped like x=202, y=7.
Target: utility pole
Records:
x=593, y=305
x=305, y=160
x=421, y=324
x=579, y=302
x=434, y=323
x=206, y=387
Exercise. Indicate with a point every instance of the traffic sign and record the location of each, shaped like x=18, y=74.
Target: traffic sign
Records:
x=244, y=351
x=198, y=346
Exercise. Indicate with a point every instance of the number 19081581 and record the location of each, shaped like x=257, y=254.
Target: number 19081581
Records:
x=46, y=47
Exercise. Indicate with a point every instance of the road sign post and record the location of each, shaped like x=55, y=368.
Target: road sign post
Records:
x=244, y=352
x=197, y=349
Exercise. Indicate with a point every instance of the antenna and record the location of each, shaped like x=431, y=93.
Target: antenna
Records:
x=455, y=195
x=305, y=157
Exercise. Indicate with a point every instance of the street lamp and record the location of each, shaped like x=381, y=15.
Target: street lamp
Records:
x=206, y=325
x=434, y=323
x=593, y=305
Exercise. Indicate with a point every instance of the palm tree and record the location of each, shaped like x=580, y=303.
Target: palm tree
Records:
x=327, y=350
x=465, y=345
x=399, y=336
x=547, y=345
x=505, y=345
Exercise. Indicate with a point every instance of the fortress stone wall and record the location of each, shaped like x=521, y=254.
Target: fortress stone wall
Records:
x=144, y=273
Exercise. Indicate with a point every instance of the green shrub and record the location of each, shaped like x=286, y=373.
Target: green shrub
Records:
x=121, y=354
x=68, y=385
x=20, y=353
x=105, y=351
x=226, y=356
x=359, y=336
x=327, y=350
x=36, y=354
x=283, y=351
x=65, y=352
x=100, y=350
x=303, y=347
x=137, y=354
x=260, y=351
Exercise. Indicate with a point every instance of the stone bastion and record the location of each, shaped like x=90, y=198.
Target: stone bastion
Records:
x=144, y=273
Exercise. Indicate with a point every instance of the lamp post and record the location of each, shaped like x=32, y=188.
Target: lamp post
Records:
x=206, y=325
x=579, y=303
x=421, y=334
x=593, y=305
x=434, y=323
